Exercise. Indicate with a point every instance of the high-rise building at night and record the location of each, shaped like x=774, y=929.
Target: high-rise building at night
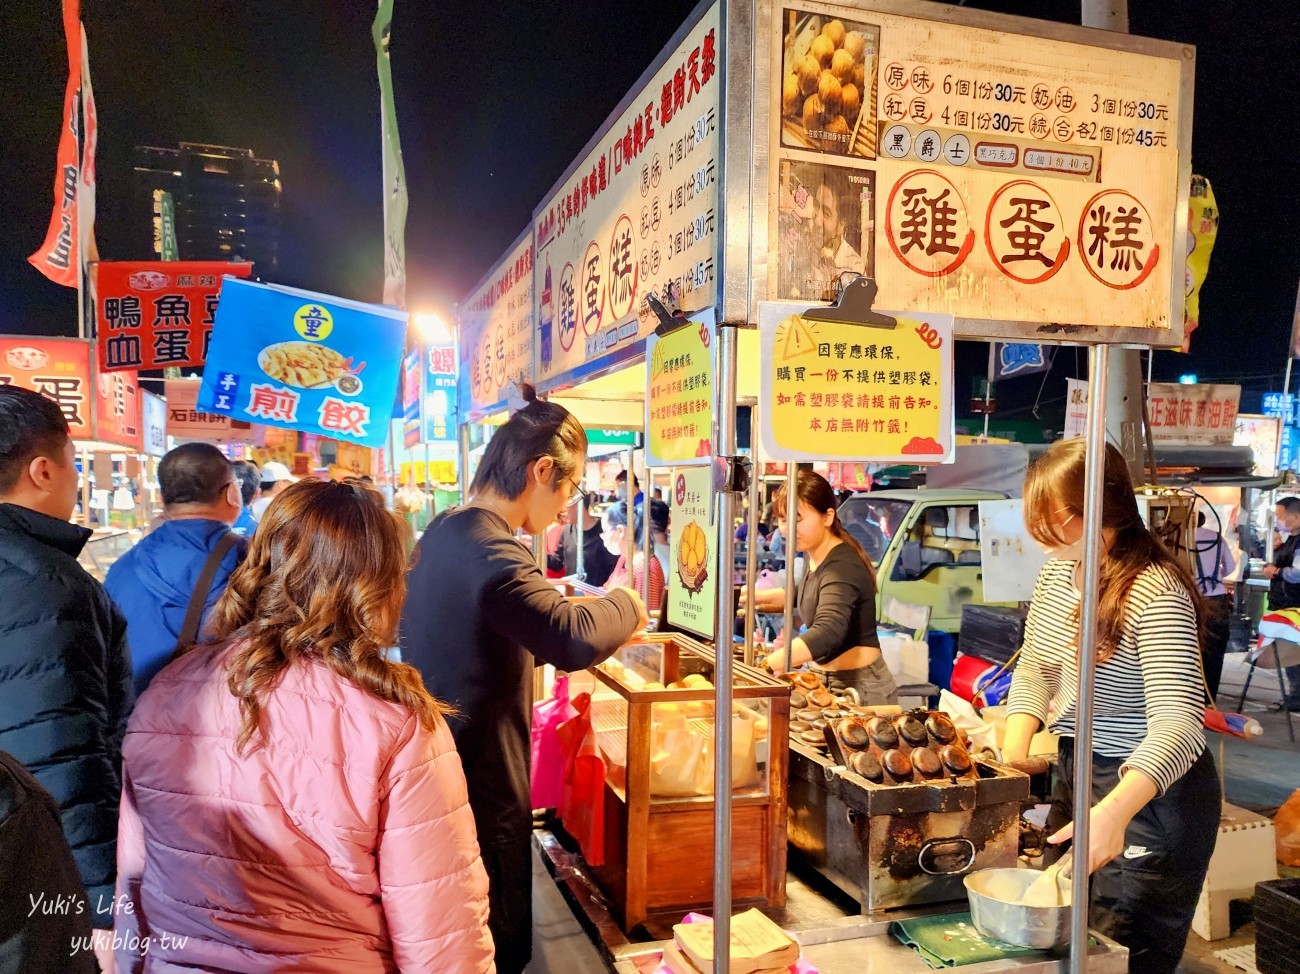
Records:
x=226, y=204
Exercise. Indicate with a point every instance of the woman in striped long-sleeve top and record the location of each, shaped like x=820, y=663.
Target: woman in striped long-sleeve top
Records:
x=1156, y=799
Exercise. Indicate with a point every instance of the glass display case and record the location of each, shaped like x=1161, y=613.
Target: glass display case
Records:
x=653, y=714
x=104, y=548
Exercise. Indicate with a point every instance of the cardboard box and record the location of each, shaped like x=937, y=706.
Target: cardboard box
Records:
x=1243, y=856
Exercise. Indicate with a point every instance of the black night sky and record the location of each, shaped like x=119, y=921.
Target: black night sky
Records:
x=495, y=100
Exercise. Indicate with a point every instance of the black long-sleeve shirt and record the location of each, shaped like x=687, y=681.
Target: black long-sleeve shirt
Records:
x=837, y=602
x=478, y=609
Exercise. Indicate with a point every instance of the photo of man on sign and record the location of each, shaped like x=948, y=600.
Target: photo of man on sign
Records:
x=825, y=228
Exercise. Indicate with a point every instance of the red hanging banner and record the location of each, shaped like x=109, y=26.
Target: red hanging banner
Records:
x=152, y=314
x=55, y=258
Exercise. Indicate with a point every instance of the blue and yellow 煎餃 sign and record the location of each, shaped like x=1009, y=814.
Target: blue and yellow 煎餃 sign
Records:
x=304, y=361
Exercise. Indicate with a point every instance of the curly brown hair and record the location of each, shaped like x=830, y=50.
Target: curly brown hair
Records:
x=324, y=583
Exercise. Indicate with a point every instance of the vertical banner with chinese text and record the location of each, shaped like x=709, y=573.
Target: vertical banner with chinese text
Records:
x=394, y=171
x=693, y=553
x=55, y=258
x=1076, y=408
x=304, y=361
x=679, y=397
x=152, y=315
x=440, y=407
x=637, y=216
x=836, y=392
x=411, y=376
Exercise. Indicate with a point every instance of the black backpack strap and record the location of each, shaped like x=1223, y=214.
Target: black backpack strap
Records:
x=199, y=597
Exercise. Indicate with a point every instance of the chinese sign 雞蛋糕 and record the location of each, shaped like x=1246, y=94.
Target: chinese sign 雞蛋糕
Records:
x=693, y=553
x=304, y=361
x=1192, y=415
x=638, y=215
x=834, y=392
x=496, y=329
x=151, y=315
x=999, y=176
x=679, y=397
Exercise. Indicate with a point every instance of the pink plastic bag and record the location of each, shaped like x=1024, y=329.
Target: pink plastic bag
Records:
x=546, y=784
x=582, y=808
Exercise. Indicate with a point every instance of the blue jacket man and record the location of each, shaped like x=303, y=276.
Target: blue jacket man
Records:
x=153, y=582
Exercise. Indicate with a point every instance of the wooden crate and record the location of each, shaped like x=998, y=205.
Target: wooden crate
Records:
x=659, y=852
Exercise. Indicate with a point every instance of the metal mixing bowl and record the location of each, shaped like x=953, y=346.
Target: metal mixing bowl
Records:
x=994, y=896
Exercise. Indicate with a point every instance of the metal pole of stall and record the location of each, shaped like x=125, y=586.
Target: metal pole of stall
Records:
x=462, y=446
x=1094, y=477
x=647, y=540
x=630, y=535
x=988, y=385
x=790, y=534
x=580, y=534
x=722, y=676
x=751, y=550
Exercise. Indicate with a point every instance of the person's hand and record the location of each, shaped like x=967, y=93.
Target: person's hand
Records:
x=1105, y=836
x=643, y=617
x=776, y=662
x=103, y=947
x=1270, y=571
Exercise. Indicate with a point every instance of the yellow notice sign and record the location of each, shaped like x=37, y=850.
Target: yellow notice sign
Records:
x=836, y=392
x=693, y=588
x=679, y=396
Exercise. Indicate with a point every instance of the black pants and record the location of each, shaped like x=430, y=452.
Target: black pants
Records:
x=1145, y=898
x=509, y=865
x=1215, y=644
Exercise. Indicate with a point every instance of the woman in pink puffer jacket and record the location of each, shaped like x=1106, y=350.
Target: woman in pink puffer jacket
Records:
x=292, y=801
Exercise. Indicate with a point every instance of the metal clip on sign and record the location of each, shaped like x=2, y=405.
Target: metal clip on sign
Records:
x=669, y=320
x=853, y=306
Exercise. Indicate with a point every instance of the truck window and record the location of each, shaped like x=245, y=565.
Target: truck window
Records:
x=942, y=537
x=873, y=522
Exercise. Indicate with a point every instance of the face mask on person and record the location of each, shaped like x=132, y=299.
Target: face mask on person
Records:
x=1067, y=552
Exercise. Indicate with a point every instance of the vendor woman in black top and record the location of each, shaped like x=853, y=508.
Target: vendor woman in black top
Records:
x=837, y=600
x=479, y=615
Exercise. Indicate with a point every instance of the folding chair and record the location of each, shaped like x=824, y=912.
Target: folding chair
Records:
x=1278, y=655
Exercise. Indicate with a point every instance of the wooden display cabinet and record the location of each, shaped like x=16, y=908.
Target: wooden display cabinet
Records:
x=659, y=837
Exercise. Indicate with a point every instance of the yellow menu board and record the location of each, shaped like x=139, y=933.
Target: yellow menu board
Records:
x=693, y=551
x=836, y=392
x=679, y=395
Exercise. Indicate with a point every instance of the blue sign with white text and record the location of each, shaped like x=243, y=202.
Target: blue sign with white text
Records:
x=304, y=361
x=440, y=407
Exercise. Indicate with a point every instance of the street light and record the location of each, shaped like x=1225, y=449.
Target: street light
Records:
x=432, y=328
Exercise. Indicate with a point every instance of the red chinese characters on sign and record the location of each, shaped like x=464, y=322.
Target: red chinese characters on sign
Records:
x=57, y=368
x=344, y=418
x=273, y=402
x=623, y=269
x=155, y=315
x=1117, y=240
x=927, y=224
x=591, y=296
x=119, y=410
x=568, y=310
x=1025, y=234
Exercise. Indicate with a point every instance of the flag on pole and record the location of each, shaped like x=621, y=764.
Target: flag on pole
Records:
x=90, y=136
x=395, y=201
x=55, y=258
x=1295, y=327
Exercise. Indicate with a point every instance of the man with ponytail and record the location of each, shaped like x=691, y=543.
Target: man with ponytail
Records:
x=837, y=599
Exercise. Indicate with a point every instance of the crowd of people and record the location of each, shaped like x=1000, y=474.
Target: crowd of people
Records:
x=217, y=755
x=301, y=745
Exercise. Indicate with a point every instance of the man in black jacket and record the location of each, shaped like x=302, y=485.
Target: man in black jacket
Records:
x=65, y=671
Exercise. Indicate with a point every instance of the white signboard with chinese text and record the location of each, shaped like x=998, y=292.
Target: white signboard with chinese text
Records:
x=497, y=330
x=1192, y=415
x=1261, y=434
x=1009, y=556
x=1001, y=170
x=637, y=215
x=155, y=424
x=185, y=422
x=1076, y=408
